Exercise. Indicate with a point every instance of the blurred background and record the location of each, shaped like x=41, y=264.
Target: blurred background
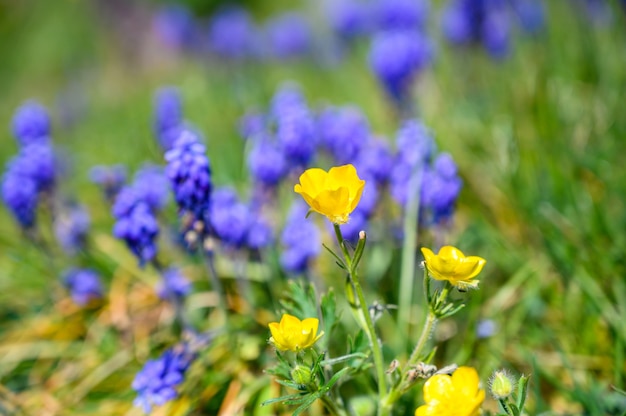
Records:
x=526, y=96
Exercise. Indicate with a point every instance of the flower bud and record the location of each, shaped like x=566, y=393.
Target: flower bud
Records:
x=502, y=384
x=301, y=375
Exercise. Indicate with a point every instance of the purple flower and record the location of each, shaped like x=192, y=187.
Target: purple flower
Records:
x=531, y=14
x=151, y=185
x=401, y=14
x=415, y=148
x=37, y=162
x=301, y=241
x=84, y=285
x=252, y=125
x=31, y=124
x=267, y=163
x=174, y=284
x=478, y=21
x=136, y=224
x=486, y=328
x=189, y=173
x=289, y=36
x=350, y=18
x=295, y=127
x=20, y=196
x=174, y=26
x=168, y=116
x=232, y=33
x=375, y=161
x=441, y=187
x=415, y=143
x=230, y=220
x=71, y=227
x=110, y=178
x=260, y=232
x=344, y=131
x=156, y=383
x=396, y=57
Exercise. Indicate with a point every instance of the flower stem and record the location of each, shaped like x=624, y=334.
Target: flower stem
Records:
x=369, y=325
x=331, y=406
x=407, y=272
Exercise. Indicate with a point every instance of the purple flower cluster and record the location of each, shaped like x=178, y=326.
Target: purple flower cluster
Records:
x=33, y=170
x=189, y=173
x=156, y=383
x=135, y=211
x=174, y=284
x=284, y=140
x=84, y=285
x=233, y=34
x=489, y=22
x=301, y=240
x=397, y=56
x=344, y=132
x=417, y=170
x=168, y=116
x=236, y=224
x=350, y=19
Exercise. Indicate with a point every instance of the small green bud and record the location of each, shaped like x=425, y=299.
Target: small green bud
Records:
x=502, y=384
x=301, y=375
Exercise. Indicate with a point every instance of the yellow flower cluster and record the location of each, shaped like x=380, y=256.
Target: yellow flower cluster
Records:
x=335, y=193
x=292, y=334
x=452, y=265
x=456, y=395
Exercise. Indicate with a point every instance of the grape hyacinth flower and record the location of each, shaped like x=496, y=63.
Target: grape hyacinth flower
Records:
x=301, y=241
x=343, y=131
x=375, y=161
x=260, y=232
x=350, y=19
x=156, y=383
x=485, y=21
x=252, y=125
x=174, y=26
x=267, y=163
x=151, y=186
x=295, y=127
x=441, y=188
x=230, y=218
x=174, y=284
x=288, y=36
x=189, y=173
x=71, y=227
x=31, y=124
x=168, y=116
x=20, y=196
x=111, y=179
x=400, y=14
x=84, y=285
x=396, y=57
x=232, y=33
x=415, y=148
x=136, y=224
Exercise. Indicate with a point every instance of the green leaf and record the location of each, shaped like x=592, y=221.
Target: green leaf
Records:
x=522, y=391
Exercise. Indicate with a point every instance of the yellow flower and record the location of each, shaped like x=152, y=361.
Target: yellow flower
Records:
x=451, y=264
x=335, y=193
x=293, y=334
x=456, y=395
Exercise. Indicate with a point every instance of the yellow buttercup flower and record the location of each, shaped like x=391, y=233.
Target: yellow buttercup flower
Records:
x=452, y=265
x=456, y=395
x=335, y=193
x=292, y=334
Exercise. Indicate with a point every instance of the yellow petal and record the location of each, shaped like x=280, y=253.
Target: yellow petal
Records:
x=438, y=388
x=313, y=181
x=450, y=253
x=466, y=381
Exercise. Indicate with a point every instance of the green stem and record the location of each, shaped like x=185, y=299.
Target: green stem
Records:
x=431, y=320
x=369, y=325
x=407, y=272
x=331, y=406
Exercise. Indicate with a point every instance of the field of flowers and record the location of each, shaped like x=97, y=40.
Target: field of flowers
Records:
x=323, y=207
